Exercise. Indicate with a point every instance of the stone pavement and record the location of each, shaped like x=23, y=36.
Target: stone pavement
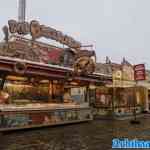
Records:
x=96, y=135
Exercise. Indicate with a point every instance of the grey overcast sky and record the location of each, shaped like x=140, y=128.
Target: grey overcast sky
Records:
x=116, y=28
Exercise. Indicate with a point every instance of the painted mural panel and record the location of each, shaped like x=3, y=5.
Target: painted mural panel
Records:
x=103, y=97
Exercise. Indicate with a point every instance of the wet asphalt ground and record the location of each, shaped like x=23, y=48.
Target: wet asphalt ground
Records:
x=96, y=135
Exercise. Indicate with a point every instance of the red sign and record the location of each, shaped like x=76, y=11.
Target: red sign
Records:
x=139, y=72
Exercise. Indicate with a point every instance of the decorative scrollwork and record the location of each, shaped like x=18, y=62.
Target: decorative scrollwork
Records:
x=35, y=29
x=84, y=65
x=6, y=33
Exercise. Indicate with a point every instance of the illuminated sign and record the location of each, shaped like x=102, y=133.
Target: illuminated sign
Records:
x=139, y=72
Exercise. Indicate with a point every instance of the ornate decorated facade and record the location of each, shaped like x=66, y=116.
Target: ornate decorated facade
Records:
x=123, y=95
x=41, y=84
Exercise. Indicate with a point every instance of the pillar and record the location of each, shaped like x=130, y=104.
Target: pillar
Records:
x=146, y=100
x=22, y=10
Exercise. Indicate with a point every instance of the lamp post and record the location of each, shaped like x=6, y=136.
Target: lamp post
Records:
x=139, y=75
x=135, y=121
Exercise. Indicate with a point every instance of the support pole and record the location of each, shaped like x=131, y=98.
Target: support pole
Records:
x=134, y=103
x=146, y=100
x=135, y=121
x=22, y=10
